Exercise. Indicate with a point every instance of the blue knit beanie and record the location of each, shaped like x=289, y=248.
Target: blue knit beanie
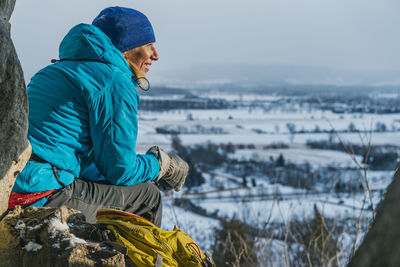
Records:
x=127, y=28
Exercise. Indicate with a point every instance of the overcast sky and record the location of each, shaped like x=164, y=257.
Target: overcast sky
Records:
x=344, y=34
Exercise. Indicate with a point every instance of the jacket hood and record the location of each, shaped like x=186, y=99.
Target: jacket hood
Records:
x=87, y=42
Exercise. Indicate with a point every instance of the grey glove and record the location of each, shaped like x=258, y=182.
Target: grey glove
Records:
x=173, y=170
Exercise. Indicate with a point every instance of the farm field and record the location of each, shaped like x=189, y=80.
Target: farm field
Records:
x=275, y=163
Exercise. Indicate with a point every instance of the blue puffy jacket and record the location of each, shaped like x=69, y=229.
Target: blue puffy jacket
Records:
x=82, y=112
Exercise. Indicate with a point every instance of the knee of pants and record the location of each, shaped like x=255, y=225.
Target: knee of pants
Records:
x=149, y=194
x=153, y=192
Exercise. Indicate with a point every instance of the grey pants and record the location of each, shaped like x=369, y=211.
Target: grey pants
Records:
x=142, y=199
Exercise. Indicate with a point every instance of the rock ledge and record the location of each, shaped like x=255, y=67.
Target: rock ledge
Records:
x=52, y=237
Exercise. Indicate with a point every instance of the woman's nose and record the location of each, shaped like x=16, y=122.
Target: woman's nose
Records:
x=155, y=54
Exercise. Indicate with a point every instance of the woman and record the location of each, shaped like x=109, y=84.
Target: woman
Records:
x=83, y=123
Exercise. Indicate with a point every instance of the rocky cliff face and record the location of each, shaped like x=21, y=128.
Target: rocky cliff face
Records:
x=381, y=244
x=14, y=146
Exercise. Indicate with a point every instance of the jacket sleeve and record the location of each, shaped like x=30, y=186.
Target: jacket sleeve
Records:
x=113, y=129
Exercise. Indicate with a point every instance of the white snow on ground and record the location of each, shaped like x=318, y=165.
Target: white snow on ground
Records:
x=300, y=155
x=199, y=228
x=32, y=246
x=278, y=203
x=379, y=179
x=30, y=228
x=73, y=241
x=386, y=138
x=242, y=125
x=258, y=212
x=262, y=127
x=264, y=139
x=58, y=228
x=20, y=225
x=273, y=251
x=270, y=120
x=243, y=97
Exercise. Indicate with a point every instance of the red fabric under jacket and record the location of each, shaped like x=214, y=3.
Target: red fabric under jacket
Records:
x=26, y=199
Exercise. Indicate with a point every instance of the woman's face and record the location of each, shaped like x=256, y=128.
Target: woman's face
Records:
x=141, y=58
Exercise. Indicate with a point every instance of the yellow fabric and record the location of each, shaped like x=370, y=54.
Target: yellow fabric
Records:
x=144, y=240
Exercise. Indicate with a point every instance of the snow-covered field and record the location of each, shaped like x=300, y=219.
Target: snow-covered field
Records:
x=200, y=228
x=268, y=120
x=256, y=129
x=301, y=155
x=259, y=127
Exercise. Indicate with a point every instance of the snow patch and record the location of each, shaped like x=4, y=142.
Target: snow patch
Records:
x=32, y=246
x=56, y=227
x=73, y=241
x=20, y=225
x=199, y=228
x=30, y=228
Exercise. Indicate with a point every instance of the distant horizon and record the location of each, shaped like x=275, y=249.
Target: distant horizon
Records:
x=356, y=35
x=284, y=74
x=183, y=76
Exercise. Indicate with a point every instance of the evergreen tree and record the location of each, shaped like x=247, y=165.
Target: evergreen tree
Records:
x=280, y=162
